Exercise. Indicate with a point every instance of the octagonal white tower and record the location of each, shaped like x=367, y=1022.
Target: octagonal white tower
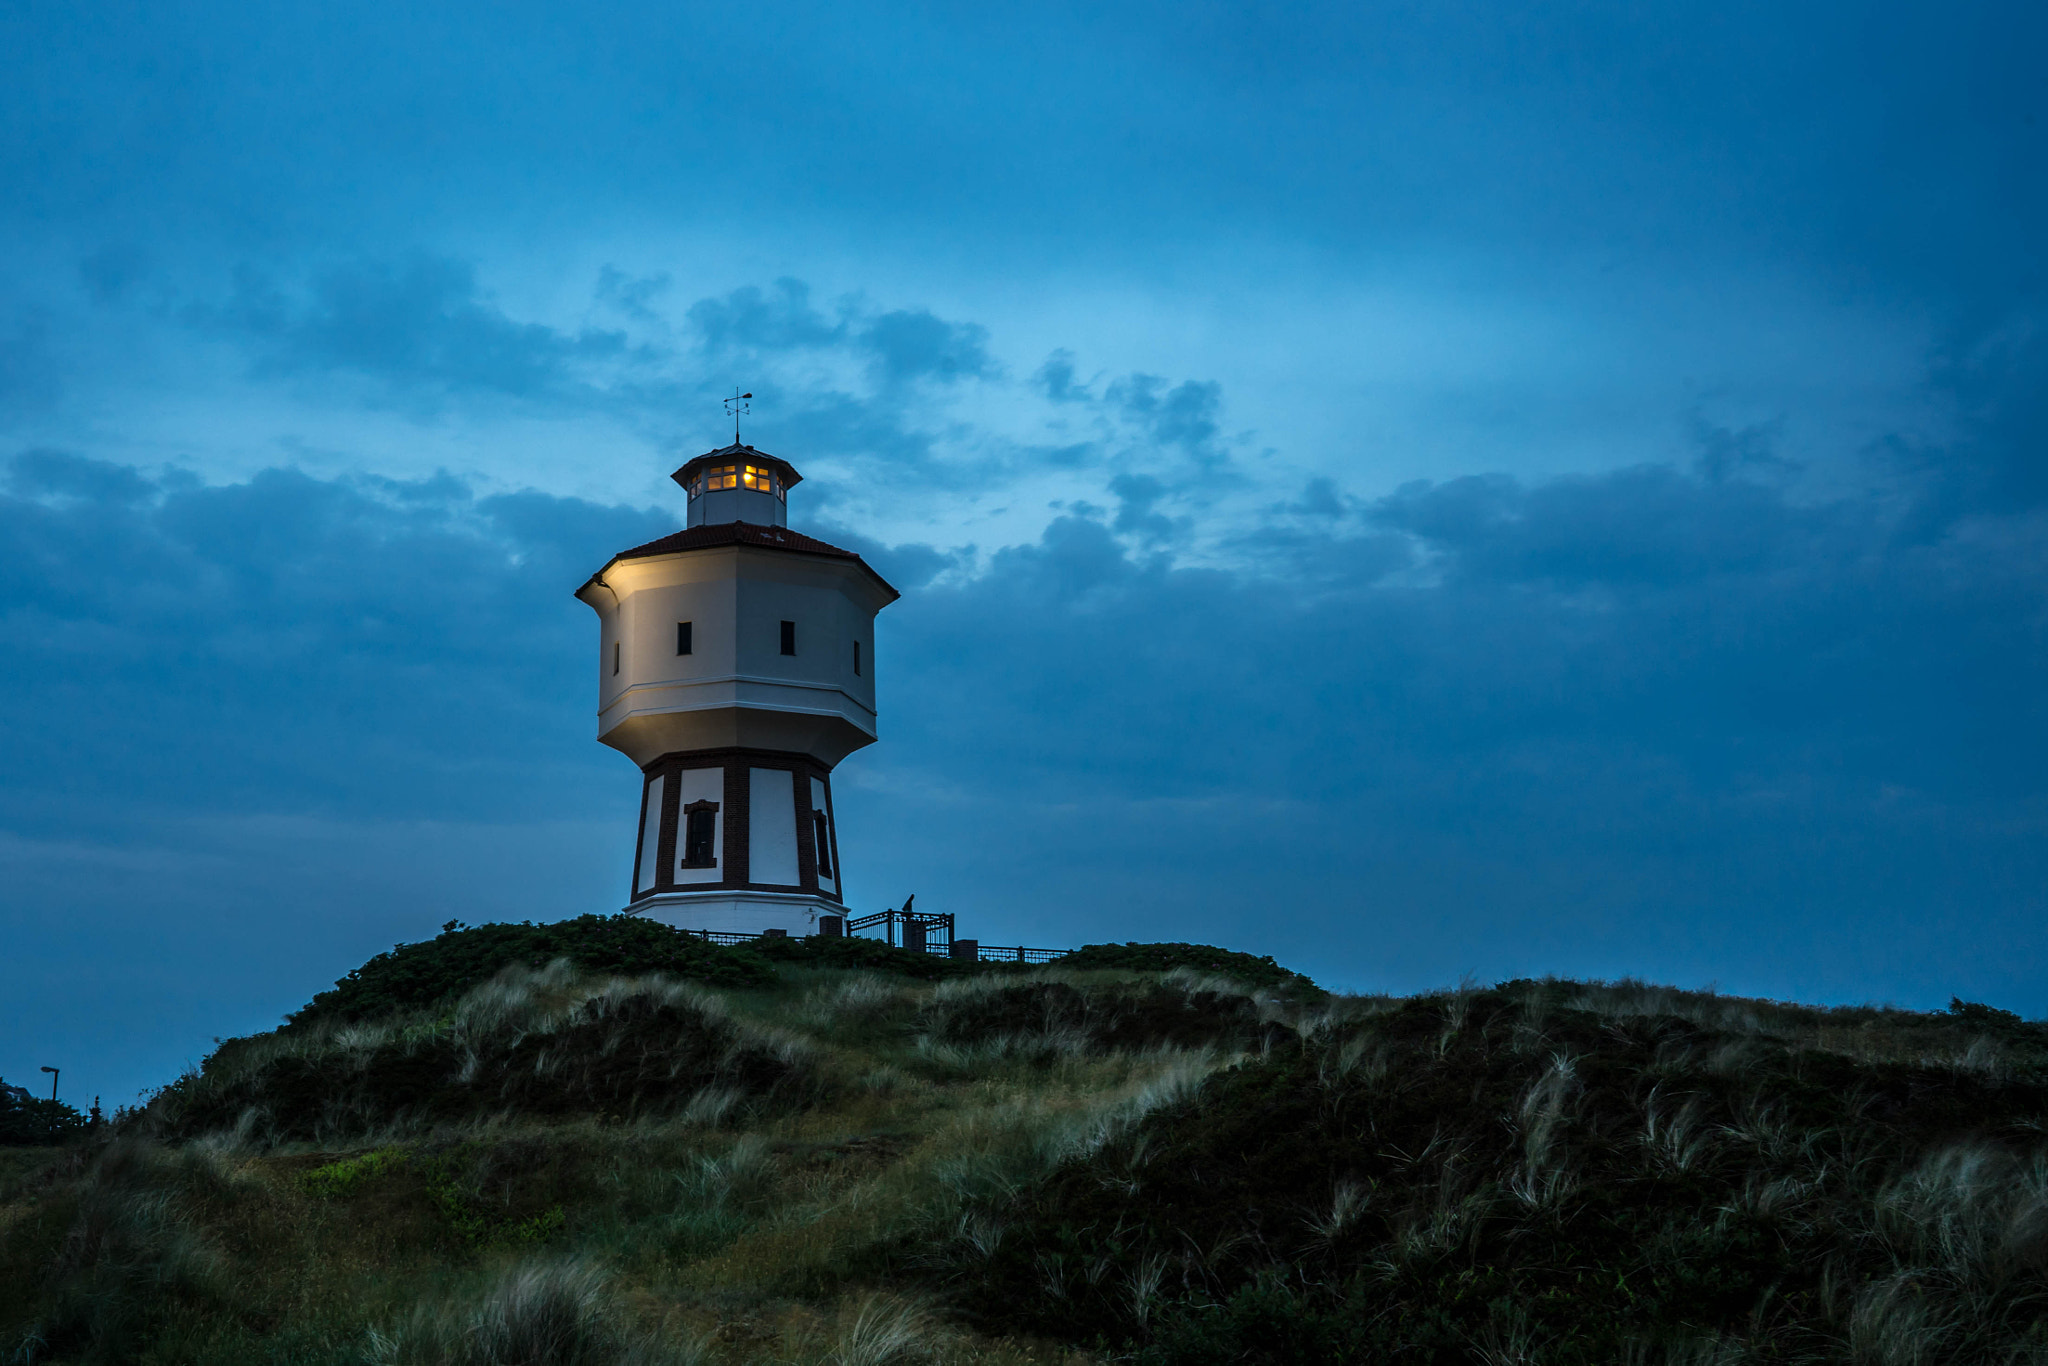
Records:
x=736, y=667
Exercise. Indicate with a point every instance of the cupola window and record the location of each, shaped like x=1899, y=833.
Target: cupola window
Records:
x=789, y=637
x=753, y=478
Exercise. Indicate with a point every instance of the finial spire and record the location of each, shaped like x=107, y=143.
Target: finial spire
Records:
x=736, y=407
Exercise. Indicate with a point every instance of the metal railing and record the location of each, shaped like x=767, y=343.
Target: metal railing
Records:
x=992, y=953
x=916, y=931
x=724, y=936
x=909, y=929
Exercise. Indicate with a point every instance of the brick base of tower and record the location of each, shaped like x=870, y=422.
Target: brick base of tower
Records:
x=740, y=840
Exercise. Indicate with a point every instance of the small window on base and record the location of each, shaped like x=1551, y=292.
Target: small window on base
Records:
x=615, y=659
x=856, y=659
x=789, y=637
x=700, y=835
x=824, y=831
x=682, y=637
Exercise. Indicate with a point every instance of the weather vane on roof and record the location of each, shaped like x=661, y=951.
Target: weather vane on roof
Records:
x=736, y=408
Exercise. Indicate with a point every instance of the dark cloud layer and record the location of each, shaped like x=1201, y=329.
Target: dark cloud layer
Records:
x=1671, y=720
x=198, y=647
x=421, y=326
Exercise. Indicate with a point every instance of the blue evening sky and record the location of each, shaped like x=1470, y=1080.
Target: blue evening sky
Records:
x=1417, y=489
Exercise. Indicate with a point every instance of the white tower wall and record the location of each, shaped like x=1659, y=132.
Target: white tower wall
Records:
x=736, y=687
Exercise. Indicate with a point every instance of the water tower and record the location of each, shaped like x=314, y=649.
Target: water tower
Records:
x=736, y=667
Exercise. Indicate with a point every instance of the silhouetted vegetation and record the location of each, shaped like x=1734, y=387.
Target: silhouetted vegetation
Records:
x=29, y=1120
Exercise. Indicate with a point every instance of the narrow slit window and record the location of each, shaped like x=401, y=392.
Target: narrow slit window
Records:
x=683, y=637
x=617, y=654
x=856, y=659
x=789, y=637
x=824, y=831
x=700, y=835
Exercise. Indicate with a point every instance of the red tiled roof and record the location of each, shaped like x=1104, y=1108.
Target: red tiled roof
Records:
x=745, y=533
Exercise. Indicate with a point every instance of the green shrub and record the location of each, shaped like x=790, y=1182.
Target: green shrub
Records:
x=350, y=1174
x=414, y=976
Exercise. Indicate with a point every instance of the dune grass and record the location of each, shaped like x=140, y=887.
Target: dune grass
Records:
x=846, y=1164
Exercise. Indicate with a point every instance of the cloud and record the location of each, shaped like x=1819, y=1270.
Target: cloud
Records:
x=898, y=346
x=1182, y=416
x=230, y=641
x=913, y=344
x=1138, y=497
x=1500, y=708
x=1646, y=524
x=1319, y=498
x=781, y=318
x=30, y=377
x=421, y=325
x=632, y=295
x=868, y=387
x=1055, y=379
x=1997, y=378
x=50, y=475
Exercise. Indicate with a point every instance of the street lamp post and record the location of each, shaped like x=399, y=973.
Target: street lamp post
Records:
x=53, y=1081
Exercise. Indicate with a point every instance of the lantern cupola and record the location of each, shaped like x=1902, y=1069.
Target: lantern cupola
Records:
x=737, y=484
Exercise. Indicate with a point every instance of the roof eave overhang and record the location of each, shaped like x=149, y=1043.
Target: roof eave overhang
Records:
x=598, y=579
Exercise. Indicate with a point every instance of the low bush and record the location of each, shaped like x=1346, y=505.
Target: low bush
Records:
x=416, y=976
x=1098, y=1017
x=1241, y=967
x=860, y=954
x=546, y=1044
x=2003, y=1024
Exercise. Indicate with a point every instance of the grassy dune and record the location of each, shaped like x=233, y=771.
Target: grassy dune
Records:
x=845, y=1154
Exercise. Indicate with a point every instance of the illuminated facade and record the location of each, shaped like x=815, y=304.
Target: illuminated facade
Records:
x=736, y=667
